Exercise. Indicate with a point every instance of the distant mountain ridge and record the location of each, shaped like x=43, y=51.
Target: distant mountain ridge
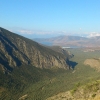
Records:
x=16, y=50
x=70, y=41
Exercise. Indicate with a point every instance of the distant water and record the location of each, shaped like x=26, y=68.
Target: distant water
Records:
x=71, y=47
x=47, y=43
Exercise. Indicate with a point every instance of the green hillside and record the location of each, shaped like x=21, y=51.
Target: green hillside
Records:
x=29, y=71
x=83, y=76
x=48, y=83
x=90, y=91
x=24, y=62
x=65, y=80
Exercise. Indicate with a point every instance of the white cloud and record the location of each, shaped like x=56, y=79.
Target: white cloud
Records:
x=93, y=34
x=25, y=31
x=63, y=32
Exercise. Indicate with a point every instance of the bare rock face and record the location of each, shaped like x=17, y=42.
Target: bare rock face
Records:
x=16, y=50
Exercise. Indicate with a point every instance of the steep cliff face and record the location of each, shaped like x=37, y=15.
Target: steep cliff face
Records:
x=16, y=50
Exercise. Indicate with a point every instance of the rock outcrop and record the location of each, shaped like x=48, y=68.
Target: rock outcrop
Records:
x=16, y=50
x=90, y=91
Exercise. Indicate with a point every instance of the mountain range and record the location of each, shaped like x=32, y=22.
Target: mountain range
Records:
x=31, y=71
x=70, y=41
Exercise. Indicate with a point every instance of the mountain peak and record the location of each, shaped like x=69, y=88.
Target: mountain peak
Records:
x=16, y=50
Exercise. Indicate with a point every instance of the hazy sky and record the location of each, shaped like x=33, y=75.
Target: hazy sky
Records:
x=34, y=18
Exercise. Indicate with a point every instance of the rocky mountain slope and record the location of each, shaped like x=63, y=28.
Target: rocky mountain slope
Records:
x=62, y=51
x=90, y=91
x=16, y=50
x=23, y=63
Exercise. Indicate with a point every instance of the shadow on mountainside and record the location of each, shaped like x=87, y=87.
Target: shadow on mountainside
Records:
x=72, y=64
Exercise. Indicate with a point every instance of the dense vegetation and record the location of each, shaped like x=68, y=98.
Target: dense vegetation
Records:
x=31, y=83
x=42, y=83
x=20, y=63
x=13, y=84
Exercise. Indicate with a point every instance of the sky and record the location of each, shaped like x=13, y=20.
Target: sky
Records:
x=49, y=18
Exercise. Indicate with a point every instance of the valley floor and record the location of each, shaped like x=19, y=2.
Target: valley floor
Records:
x=61, y=82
